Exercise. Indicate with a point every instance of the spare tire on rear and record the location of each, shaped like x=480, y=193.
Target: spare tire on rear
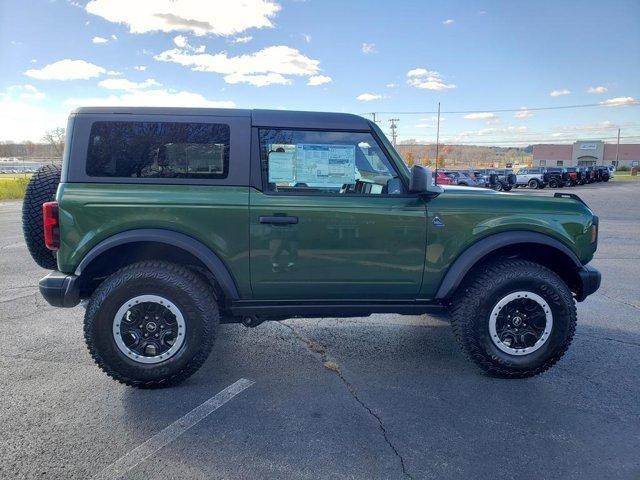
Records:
x=40, y=189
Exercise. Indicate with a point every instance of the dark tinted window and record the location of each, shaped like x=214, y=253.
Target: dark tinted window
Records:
x=158, y=150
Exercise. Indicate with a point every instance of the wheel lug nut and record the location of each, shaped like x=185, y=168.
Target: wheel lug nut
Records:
x=156, y=335
x=140, y=325
x=146, y=335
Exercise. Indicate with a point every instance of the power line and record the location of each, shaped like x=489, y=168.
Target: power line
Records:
x=503, y=110
x=471, y=142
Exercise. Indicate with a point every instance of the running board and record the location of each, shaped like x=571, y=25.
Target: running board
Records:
x=311, y=309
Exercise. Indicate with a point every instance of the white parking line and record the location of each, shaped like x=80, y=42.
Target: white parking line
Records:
x=173, y=431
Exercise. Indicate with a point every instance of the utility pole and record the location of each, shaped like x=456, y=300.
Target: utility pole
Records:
x=617, y=148
x=394, y=127
x=373, y=115
x=437, y=137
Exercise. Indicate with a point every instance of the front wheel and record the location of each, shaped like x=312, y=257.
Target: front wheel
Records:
x=151, y=324
x=514, y=319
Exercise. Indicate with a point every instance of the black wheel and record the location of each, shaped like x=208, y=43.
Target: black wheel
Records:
x=514, y=319
x=533, y=183
x=498, y=187
x=553, y=183
x=507, y=188
x=151, y=324
x=40, y=189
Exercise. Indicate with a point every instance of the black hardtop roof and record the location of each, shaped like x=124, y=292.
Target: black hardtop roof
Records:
x=259, y=118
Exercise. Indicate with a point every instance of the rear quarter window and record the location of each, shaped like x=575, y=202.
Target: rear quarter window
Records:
x=158, y=150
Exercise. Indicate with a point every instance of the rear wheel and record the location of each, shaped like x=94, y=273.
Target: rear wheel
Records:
x=514, y=319
x=151, y=324
x=533, y=183
x=553, y=183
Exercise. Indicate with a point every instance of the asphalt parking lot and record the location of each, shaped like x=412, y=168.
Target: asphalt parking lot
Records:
x=380, y=397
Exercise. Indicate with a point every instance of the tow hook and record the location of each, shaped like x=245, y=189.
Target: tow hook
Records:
x=251, y=321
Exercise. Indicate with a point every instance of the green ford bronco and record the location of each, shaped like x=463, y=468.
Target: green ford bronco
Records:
x=165, y=222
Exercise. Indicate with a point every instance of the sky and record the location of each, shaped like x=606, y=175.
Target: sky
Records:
x=477, y=58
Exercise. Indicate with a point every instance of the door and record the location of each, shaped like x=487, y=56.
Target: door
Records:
x=333, y=221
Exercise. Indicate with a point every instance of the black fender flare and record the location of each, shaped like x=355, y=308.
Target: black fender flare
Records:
x=175, y=239
x=467, y=259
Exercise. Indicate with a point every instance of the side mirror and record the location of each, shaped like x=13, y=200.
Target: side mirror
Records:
x=422, y=181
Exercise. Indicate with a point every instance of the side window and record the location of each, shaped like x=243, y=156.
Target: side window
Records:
x=158, y=150
x=323, y=162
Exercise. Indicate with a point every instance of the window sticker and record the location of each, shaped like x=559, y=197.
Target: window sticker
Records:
x=281, y=167
x=325, y=164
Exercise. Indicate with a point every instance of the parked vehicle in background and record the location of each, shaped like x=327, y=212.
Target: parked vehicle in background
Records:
x=482, y=176
x=602, y=173
x=503, y=179
x=248, y=232
x=556, y=177
x=575, y=176
x=442, y=178
x=531, y=177
x=461, y=178
x=612, y=170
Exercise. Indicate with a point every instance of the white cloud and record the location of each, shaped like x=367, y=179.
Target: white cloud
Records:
x=269, y=65
x=151, y=98
x=217, y=17
x=560, y=93
x=124, y=84
x=391, y=85
x=427, y=79
x=598, y=89
x=66, y=69
x=114, y=37
x=180, y=41
x=245, y=39
x=140, y=68
x=481, y=116
x=307, y=37
x=368, y=97
x=448, y=21
x=523, y=113
x=258, y=80
x=619, y=102
x=25, y=92
x=316, y=80
x=99, y=40
x=113, y=73
x=369, y=48
x=22, y=120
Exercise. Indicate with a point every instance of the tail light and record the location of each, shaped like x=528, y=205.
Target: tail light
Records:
x=51, y=225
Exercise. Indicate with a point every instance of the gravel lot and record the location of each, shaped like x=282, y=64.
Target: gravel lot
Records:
x=399, y=400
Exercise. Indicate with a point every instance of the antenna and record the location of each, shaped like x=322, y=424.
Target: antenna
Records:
x=437, y=143
x=394, y=128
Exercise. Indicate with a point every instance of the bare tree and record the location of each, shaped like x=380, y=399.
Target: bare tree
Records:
x=55, y=138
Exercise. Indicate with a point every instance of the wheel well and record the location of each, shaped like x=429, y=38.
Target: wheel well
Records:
x=115, y=258
x=550, y=257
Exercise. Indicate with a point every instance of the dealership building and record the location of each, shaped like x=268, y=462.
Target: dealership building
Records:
x=584, y=153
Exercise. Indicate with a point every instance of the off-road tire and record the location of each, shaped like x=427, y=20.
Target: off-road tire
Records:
x=480, y=292
x=498, y=186
x=181, y=286
x=507, y=188
x=41, y=188
x=553, y=183
x=533, y=183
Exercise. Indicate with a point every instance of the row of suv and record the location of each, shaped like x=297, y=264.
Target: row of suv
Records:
x=557, y=177
x=506, y=179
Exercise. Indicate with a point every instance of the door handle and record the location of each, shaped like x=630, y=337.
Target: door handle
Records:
x=279, y=220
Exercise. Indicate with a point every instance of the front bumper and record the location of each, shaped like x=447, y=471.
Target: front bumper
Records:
x=60, y=289
x=589, y=282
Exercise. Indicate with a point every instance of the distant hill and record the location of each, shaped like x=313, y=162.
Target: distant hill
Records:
x=463, y=156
